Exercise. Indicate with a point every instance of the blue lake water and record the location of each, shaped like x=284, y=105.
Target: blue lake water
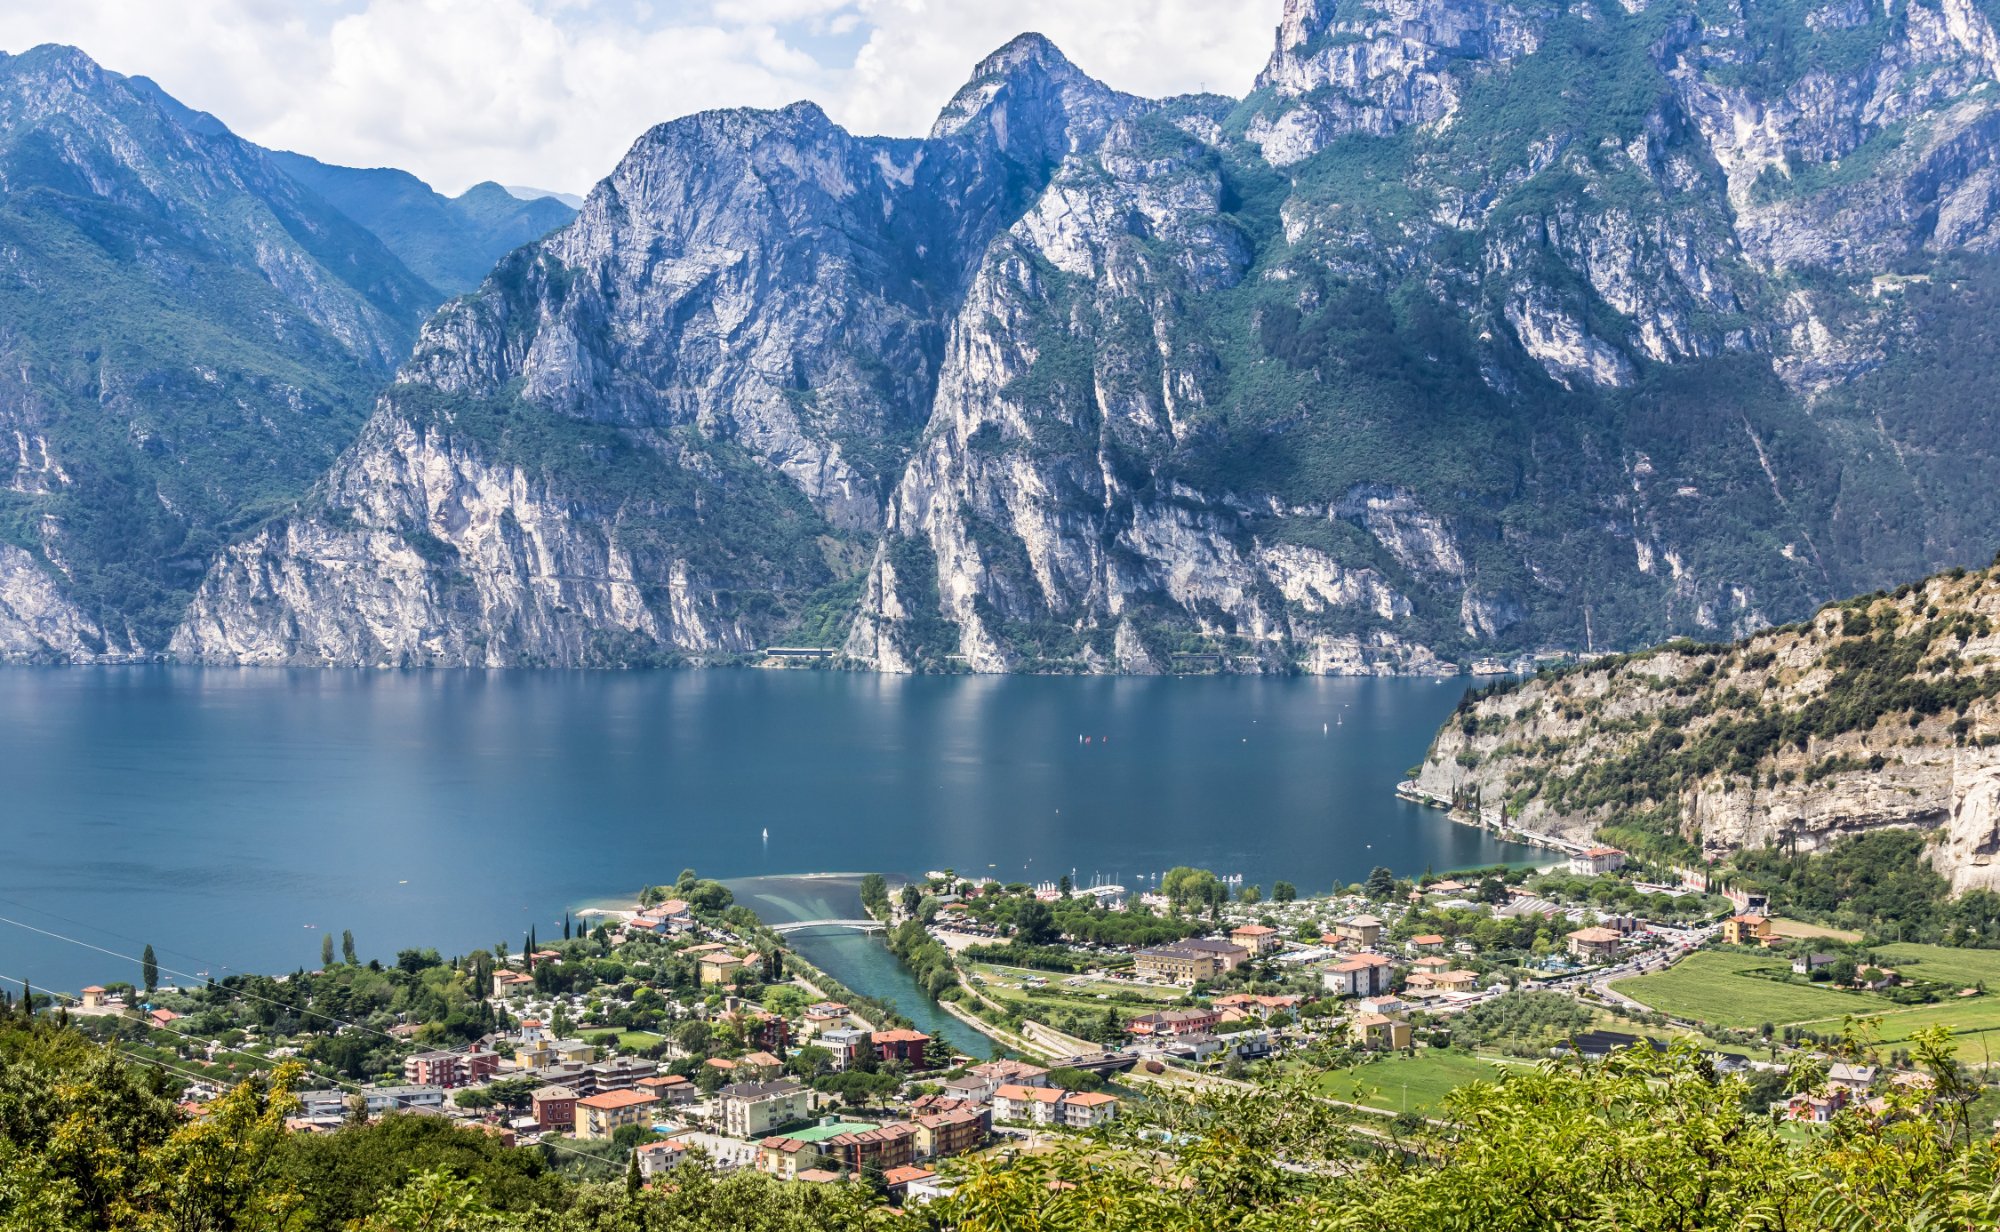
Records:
x=229, y=817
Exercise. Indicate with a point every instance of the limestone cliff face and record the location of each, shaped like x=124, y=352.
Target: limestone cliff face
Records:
x=1879, y=712
x=1476, y=332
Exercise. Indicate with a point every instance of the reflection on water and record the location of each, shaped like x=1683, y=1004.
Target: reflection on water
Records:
x=231, y=816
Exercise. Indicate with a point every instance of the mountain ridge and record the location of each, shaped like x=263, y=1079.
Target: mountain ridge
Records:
x=1471, y=333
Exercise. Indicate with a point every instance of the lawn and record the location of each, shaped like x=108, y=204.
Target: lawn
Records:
x=1719, y=987
x=1975, y=1021
x=638, y=1041
x=1421, y=1081
x=1944, y=964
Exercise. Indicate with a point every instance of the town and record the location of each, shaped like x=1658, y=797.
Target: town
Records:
x=683, y=1032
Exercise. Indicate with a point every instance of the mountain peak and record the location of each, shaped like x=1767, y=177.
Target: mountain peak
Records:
x=1028, y=66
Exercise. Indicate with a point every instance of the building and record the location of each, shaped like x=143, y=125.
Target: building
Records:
x=1362, y=975
x=786, y=1155
x=1039, y=1105
x=901, y=1045
x=758, y=1067
x=825, y=1016
x=1594, y=944
x=1254, y=939
x=720, y=968
x=619, y=1074
x=1445, y=981
x=1361, y=930
x=554, y=1107
x=1172, y=1022
x=93, y=997
x=1256, y=1006
x=754, y=1109
x=1426, y=942
x=1806, y=964
x=601, y=1116
x=659, y=1158
x=1188, y=962
x=1595, y=861
x=669, y=1088
x=1088, y=1109
x=945, y=1134
x=898, y=1180
x=847, y=1044
x=1380, y=1031
x=403, y=1099
x=505, y=982
x=720, y=1154
x=1745, y=929
x=880, y=1148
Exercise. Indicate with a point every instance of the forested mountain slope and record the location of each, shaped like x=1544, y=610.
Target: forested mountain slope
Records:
x=187, y=339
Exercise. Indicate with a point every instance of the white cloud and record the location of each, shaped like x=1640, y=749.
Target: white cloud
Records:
x=552, y=92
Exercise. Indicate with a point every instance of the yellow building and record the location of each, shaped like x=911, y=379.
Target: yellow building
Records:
x=1380, y=1031
x=601, y=1116
x=1745, y=929
x=720, y=968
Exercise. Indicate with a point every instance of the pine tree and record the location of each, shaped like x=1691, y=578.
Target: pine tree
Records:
x=565, y=926
x=27, y=1001
x=632, y=1176
x=149, y=966
x=326, y=950
x=347, y=946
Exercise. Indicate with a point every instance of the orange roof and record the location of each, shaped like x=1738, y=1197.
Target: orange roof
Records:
x=665, y=1144
x=618, y=1099
x=1372, y=1020
x=1041, y=1095
x=760, y=1059
x=664, y=1080
x=901, y=1036
x=720, y=1063
x=1091, y=1099
x=1594, y=934
x=904, y=1175
x=1427, y=939
x=94, y=988
x=817, y=1176
x=1604, y=851
x=1252, y=930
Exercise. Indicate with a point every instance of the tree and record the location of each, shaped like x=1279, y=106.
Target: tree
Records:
x=909, y=899
x=1381, y=884
x=149, y=968
x=347, y=946
x=1284, y=892
x=1186, y=887
x=1250, y=894
x=1035, y=924
x=1492, y=890
x=326, y=950
x=1063, y=886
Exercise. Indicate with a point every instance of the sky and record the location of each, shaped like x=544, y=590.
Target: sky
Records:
x=550, y=93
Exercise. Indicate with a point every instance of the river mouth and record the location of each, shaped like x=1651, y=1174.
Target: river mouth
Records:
x=859, y=960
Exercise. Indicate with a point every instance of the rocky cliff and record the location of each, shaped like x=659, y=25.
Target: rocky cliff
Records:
x=1474, y=331
x=1878, y=712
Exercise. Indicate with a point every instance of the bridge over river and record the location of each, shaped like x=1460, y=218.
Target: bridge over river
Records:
x=864, y=926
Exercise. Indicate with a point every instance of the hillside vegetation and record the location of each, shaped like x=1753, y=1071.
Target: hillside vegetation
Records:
x=1878, y=712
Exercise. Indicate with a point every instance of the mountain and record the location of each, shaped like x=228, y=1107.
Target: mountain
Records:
x=526, y=193
x=1474, y=330
x=450, y=242
x=188, y=338
x=1877, y=712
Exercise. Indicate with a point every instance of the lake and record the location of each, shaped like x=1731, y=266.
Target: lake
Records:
x=232, y=816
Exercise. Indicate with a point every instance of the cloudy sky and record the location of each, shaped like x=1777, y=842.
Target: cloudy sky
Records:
x=551, y=92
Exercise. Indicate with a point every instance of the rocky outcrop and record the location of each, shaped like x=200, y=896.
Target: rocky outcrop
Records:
x=1880, y=712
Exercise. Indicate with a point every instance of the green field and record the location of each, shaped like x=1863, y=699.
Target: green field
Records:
x=1944, y=964
x=1003, y=984
x=1415, y=1084
x=1718, y=987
